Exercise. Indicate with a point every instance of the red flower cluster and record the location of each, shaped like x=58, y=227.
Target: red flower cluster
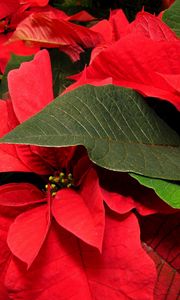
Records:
x=79, y=235
x=149, y=53
x=28, y=25
x=63, y=233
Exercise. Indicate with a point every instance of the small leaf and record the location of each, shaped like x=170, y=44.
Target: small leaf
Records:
x=171, y=17
x=14, y=63
x=116, y=126
x=166, y=190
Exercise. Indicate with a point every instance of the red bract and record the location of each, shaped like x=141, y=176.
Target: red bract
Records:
x=65, y=261
x=8, y=7
x=9, y=194
x=47, y=30
x=111, y=30
x=80, y=212
x=17, y=47
x=150, y=26
x=67, y=268
x=24, y=10
x=23, y=104
x=145, y=59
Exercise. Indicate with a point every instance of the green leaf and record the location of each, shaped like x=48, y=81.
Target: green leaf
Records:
x=166, y=190
x=120, y=131
x=171, y=17
x=14, y=63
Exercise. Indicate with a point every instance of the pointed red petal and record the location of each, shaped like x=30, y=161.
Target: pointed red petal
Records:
x=150, y=26
x=9, y=158
x=118, y=203
x=82, y=16
x=28, y=232
x=105, y=29
x=111, y=30
x=82, y=213
x=36, y=91
x=19, y=194
x=122, y=193
x=119, y=23
x=49, y=31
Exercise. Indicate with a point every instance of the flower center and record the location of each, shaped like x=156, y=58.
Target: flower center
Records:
x=58, y=182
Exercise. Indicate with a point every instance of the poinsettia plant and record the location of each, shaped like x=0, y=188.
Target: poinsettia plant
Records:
x=89, y=150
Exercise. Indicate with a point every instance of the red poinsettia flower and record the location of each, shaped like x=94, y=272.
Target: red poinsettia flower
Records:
x=61, y=213
x=59, y=220
x=64, y=257
x=80, y=211
x=68, y=41
x=49, y=28
x=146, y=59
x=77, y=210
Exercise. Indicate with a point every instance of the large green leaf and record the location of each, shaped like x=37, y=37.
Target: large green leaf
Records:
x=116, y=126
x=14, y=63
x=166, y=190
x=171, y=17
